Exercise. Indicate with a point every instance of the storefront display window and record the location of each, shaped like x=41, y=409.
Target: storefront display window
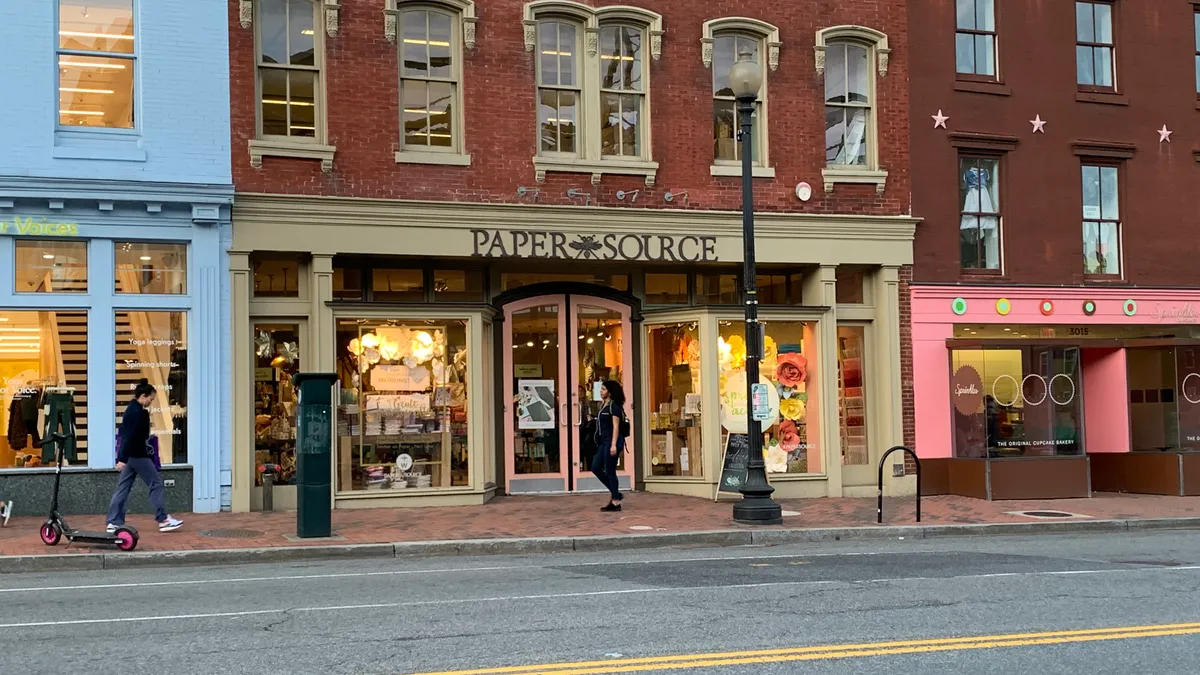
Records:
x=402, y=418
x=398, y=285
x=40, y=351
x=1017, y=402
x=153, y=345
x=538, y=442
x=674, y=386
x=791, y=435
x=51, y=266
x=277, y=360
x=277, y=278
x=151, y=268
x=666, y=289
x=852, y=401
x=458, y=286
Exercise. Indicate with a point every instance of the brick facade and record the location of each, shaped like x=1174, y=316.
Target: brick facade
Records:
x=361, y=74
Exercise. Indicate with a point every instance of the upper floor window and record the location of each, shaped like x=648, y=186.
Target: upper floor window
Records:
x=593, y=79
x=980, y=219
x=97, y=52
x=1196, y=21
x=1095, y=47
x=289, y=70
x=975, y=39
x=1101, y=220
x=430, y=37
x=850, y=57
x=725, y=40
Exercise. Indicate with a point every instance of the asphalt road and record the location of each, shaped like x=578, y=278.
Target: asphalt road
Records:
x=1016, y=605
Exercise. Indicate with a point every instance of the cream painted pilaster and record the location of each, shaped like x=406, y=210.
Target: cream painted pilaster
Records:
x=242, y=460
x=476, y=404
x=888, y=396
x=710, y=400
x=322, y=333
x=820, y=288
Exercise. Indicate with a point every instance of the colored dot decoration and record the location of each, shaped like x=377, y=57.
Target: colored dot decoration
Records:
x=1047, y=308
x=1130, y=307
x=1089, y=307
x=959, y=306
x=1003, y=306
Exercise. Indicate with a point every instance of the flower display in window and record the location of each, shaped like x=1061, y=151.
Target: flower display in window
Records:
x=791, y=370
x=791, y=409
x=789, y=438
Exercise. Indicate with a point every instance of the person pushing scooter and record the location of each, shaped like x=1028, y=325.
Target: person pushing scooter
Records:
x=134, y=459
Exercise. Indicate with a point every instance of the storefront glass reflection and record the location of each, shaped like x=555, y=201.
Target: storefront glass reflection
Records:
x=791, y=436
x=277, y=360
x=1017, y=402
x=402, y=418
x=153, y=345
x=674, y=387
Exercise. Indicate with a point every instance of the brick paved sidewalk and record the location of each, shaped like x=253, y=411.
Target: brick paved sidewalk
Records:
x=577, y=516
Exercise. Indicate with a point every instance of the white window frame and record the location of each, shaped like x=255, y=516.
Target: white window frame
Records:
x=589, y=20
x=463, y=17
x=1100, y=165
x=879, y=53
x=769, y=41
x=287, y=146
x=134, y=58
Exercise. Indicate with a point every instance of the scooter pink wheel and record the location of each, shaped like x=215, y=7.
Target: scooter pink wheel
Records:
x=50, y=534
x=126, y=541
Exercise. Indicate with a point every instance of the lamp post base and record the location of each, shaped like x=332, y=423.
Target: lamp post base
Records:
x=758, y=510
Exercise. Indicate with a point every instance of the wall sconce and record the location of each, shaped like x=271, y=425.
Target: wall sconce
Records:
x=575, y=193
x=523, y=191
x=673, y=194
x=632, y=194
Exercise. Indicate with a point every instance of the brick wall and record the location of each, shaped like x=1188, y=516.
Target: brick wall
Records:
x=498, y=76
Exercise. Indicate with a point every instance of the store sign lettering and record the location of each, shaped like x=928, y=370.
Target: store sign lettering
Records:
x=1175, y=313
x=38, y=227
x=631, y=247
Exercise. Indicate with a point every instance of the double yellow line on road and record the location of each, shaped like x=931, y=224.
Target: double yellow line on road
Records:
x=844, y=651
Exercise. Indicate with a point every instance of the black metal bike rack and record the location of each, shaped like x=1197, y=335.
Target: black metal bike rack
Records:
x=882, y=461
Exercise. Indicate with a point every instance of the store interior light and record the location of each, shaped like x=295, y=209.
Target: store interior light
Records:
x=92, y=113
x=591, y=340
x=529, y=344
x=145, y=258
x=545, y=342
x=102, y=36
x=47, y=256
x=82, y=90
x=90, y=64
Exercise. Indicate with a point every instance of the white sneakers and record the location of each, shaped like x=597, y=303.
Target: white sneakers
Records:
x=170, y=525
x=5, y=513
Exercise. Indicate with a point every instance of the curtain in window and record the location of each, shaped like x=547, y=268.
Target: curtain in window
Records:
x=856, y=136
x=979, y=197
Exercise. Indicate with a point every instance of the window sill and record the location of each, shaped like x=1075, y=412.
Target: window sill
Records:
x=735, y=171
x=1106, y=279
x=1101, y=97
x=264, y=148
x=854, y=176
x=616, y=167
x=101, y=145
x=438, y=158
x=993, y=88
x=982, y=275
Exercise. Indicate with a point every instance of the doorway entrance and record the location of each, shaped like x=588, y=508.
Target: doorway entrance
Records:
x=558, y=350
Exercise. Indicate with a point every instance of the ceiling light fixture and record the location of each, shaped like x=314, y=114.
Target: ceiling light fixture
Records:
x=104, y=36
x=145, y=258
x=48, y=256
x=93, y=113
x=80, y=90
x=90, y=64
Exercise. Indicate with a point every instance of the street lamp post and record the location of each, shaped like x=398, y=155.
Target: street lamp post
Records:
x=756, y=506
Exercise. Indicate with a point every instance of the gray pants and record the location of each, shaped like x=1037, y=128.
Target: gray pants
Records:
x=135, y=467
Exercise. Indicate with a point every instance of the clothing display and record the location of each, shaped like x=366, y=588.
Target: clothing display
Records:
x=23, y=418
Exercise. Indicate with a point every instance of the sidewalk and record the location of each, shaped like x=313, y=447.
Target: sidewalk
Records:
x=574, y=523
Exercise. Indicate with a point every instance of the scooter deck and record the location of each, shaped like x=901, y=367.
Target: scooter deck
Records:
x=91, y=537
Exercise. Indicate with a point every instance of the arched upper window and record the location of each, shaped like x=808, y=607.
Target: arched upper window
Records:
x=593, y=85
x=723, y=41
x=850, y=58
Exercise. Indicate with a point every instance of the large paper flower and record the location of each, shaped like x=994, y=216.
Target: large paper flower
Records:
x=789, y=436
x=737, y=352
x=776, y=459
x=770, y=351
x=792, y=370
x=791, y=408
x=724, y=352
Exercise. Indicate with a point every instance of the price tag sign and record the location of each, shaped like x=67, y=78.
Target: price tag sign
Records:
x=760, y=403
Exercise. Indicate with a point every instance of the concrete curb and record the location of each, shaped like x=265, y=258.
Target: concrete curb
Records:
x=553, y=545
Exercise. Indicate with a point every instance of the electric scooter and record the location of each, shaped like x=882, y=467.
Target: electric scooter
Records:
x=55, y=528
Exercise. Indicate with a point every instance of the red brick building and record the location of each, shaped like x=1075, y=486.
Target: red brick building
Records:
x=476, y=212
x=1053, y=154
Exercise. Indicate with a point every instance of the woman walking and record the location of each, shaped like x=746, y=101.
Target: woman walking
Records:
x=611, y=428
x=134, y=460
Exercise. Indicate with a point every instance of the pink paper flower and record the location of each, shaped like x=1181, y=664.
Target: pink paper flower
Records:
x=792, y=370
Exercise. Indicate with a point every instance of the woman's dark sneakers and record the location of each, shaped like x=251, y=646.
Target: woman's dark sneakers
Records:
x=611, y=507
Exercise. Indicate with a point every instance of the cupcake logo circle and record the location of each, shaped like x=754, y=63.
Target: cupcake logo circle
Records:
x=1003, y=306
x=1130, y=307
x=959, y=306
x=1089, y=307
x=1047, y=308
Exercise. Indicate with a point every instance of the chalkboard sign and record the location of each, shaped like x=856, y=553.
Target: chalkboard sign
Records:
x=733, y=464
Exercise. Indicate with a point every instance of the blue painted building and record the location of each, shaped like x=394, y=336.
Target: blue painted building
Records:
x=115, y=195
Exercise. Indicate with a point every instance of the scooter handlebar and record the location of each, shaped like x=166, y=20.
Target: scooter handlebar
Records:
x=53, y=438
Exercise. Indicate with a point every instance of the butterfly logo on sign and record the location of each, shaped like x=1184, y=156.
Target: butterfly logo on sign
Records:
x=587, y=246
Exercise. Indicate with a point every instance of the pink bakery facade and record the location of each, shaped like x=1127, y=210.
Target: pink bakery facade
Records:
x=1044, y=392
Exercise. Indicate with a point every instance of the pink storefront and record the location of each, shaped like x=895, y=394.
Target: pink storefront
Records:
x=1023, y=392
